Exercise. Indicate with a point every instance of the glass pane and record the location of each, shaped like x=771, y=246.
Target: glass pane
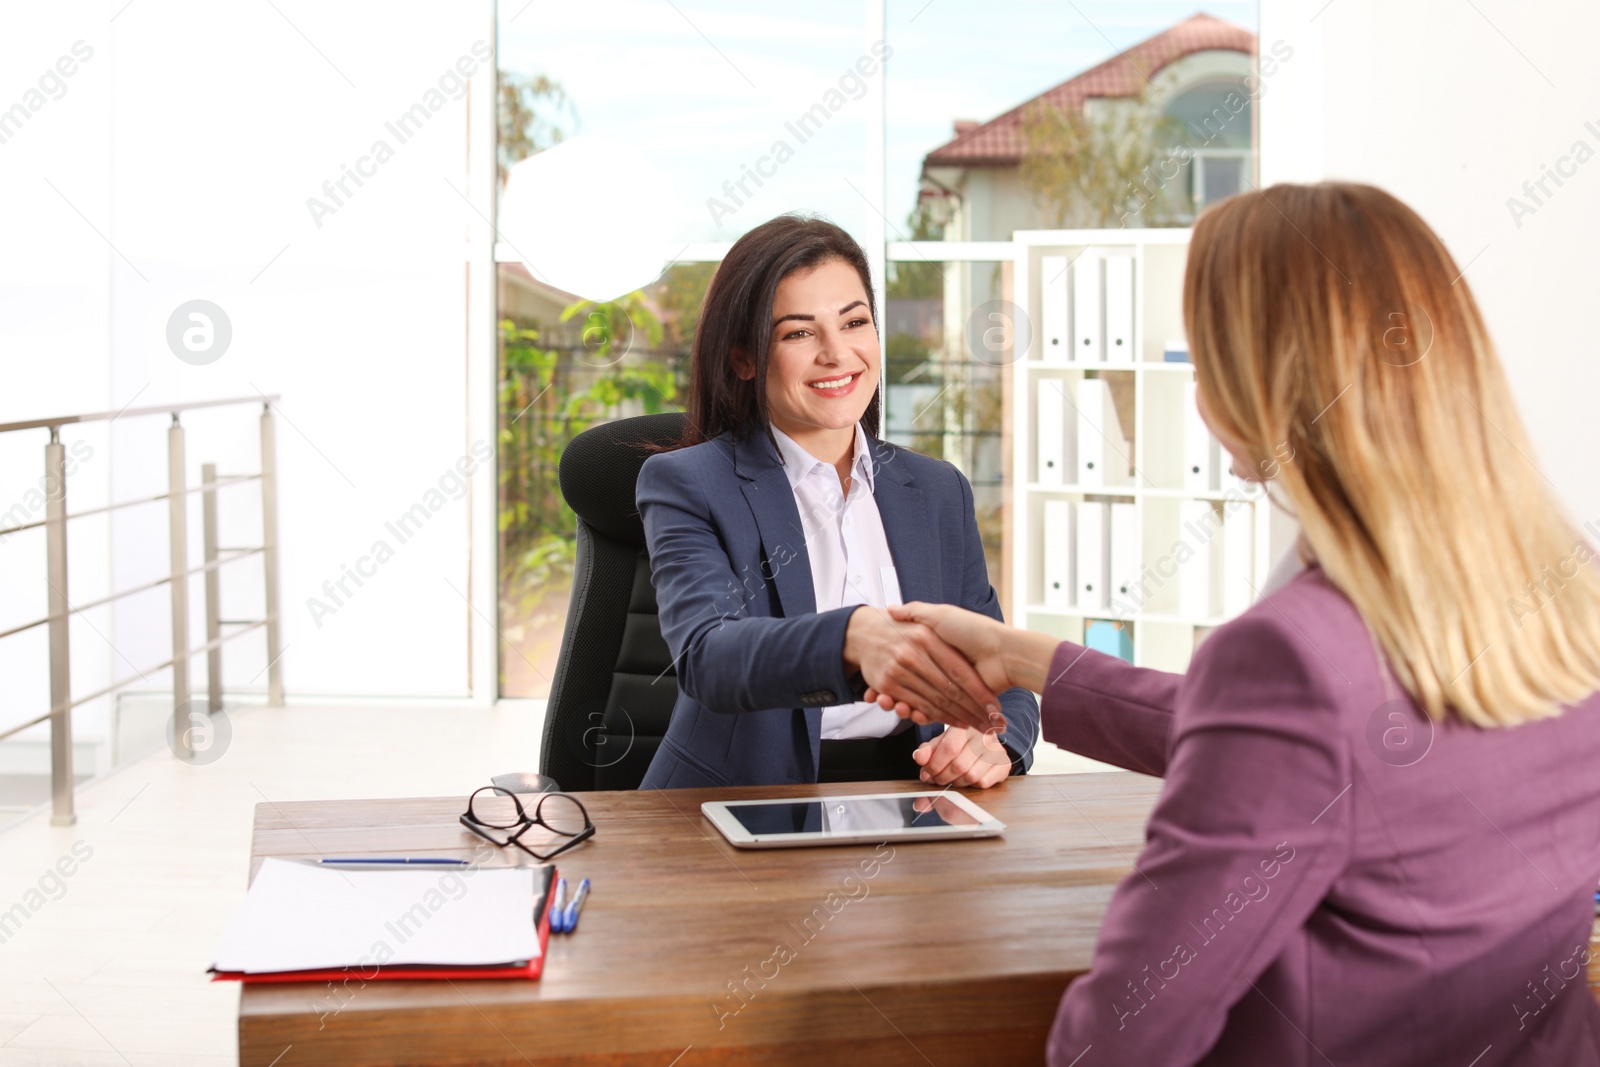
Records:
x=1214, y=114
x=561, y=813
x=747, y=109
x=987, y=118
x=744, y=111
x=945, y=387
x=558, y=378
x=1217, y=178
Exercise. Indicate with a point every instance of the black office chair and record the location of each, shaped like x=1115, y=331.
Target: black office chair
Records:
x=615, y=685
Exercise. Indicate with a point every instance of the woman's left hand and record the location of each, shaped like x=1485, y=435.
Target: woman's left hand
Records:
x=962, y=757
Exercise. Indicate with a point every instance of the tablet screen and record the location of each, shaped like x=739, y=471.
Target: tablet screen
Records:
x=840, y=815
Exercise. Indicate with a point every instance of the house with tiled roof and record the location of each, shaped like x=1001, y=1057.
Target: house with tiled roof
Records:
x=1197, y=72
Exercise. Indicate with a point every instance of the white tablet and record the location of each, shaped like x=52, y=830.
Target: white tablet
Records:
x=868, y=818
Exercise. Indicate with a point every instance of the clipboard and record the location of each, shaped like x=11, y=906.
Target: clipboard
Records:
x=544, y=881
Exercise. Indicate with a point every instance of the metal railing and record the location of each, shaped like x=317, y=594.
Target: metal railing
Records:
x=61, y=610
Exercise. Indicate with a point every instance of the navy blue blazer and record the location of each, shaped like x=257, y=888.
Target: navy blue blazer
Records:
x=756, y=661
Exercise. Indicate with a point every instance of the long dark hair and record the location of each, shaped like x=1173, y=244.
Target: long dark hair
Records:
x=738, y=314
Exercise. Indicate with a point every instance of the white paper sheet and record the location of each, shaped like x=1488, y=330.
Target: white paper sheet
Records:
x=299, y=916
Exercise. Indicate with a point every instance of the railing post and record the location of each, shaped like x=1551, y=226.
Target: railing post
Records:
x=208, y=525
x=178, y=542
x=61, y=784
x=269, y=553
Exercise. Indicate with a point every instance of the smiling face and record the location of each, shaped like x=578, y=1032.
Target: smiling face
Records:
x=822, y=362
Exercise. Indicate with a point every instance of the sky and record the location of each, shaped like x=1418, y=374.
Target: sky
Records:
x=709, y=91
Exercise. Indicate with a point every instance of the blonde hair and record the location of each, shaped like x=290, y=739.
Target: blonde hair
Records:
x=1334, y=337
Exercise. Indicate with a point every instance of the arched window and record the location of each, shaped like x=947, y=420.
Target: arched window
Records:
x=1216, y=118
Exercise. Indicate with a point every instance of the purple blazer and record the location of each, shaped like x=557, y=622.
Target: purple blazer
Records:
x=1328, y=879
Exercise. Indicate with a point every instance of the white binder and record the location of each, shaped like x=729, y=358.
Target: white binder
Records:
x=1056, y=339
x=1057, y=545
x=1086, y=328
x=1201, y=452
x=1119, y=309
x=1238, y=557
x=1101, y=446
x=1052, y=430
x=1091, y=574
x=1200, y=574
x=1091, y=396
x=1124, y=552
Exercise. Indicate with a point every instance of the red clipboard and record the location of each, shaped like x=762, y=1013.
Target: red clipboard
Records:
x=530, y=970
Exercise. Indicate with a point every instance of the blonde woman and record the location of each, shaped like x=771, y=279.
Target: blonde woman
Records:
x=1379, y=833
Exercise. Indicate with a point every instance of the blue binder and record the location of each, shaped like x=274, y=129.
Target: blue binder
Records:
x=1112, y=638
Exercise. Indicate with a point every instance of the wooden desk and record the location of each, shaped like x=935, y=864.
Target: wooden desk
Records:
x=948, y=953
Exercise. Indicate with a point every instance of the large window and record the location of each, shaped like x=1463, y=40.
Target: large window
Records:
x=994, y=118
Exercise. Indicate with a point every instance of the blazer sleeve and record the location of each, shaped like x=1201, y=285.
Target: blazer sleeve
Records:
x=1109, y=710
x=1019, y=707
x=1252, y=829
x=727, y=659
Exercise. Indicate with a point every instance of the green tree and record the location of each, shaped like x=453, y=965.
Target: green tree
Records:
x=532, y=115
x=913, y=280
x=680, y=294
x=1102, y=167
x=905, y=355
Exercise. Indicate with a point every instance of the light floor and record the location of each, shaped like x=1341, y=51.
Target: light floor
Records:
x=109, y=967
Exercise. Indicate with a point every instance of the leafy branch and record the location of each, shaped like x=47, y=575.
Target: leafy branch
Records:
x=1088, y=165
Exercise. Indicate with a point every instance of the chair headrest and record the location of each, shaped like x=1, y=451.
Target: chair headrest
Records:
x=600, y=466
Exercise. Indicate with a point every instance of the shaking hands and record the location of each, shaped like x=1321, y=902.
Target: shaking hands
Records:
x=1000, y=656
x=899, y=655
x=940, y=663
x=978, y=640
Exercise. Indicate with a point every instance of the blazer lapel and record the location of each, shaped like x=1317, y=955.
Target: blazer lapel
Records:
x=783, y=538
x=909, y=525
x=783, y=541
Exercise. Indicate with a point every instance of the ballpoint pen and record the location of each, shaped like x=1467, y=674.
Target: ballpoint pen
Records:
x=394, y=861
x=558, y=906
x=570, y=923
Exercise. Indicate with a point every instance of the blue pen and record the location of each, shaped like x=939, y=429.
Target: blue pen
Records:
x=558, y=906
x=570, y=923
x=398, y=861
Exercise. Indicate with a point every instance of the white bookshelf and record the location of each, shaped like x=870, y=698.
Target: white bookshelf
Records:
x=1162, y=637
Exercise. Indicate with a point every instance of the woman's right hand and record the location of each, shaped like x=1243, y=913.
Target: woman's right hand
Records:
x=906, y=658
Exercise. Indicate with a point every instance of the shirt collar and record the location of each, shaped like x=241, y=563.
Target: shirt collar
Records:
x=798, y=463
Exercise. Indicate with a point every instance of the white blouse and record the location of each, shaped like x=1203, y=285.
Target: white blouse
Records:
x=850, y=561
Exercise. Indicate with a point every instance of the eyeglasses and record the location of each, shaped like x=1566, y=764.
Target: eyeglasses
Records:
x=558, y=813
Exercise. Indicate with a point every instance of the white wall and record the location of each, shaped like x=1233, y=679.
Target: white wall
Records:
x=191, y=141
x=1452, y=106
x=54, y=328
